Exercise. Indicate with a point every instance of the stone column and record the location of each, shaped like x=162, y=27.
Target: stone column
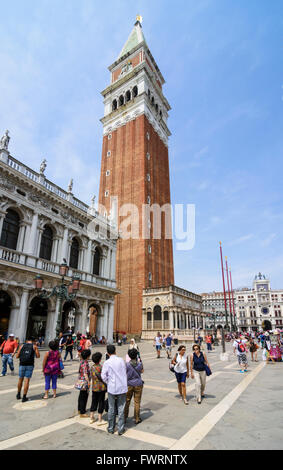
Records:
x=23, y=315
x=39, y=235
x=31, y=242
x=54, y=256
x=162, y=320
x=87, y=264
x=113, y=265
x=64, y=249
x=110, y=323
x=50, y=331
x=171, y=320
x=2, y=217
x=14, y=321
x=53, y=325
x=84, y=316
x=21, y=236
x=105, y=321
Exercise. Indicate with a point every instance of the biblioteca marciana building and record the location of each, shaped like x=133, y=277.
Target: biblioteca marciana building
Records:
x=41, y=227
x=135, y=170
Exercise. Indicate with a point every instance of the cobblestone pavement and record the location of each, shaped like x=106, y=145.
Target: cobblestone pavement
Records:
x=240, y=411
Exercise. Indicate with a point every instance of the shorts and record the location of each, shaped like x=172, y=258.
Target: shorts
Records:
x=181, y=377
x=169, y=348
x=242, y=359
x=158, y=347
x=25, y=372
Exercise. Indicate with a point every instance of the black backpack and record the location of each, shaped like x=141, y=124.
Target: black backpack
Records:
x=27, y=355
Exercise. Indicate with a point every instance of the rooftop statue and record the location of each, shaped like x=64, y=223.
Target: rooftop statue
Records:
x=4, y=142
x=43, y=167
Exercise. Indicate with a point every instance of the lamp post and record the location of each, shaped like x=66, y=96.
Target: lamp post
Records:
x=62, y=292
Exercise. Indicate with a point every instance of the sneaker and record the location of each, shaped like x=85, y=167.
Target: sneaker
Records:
x=110, y=432
x=18, y=396
x=12, y=372
x=120, y=433
x=186, y=402
x=24, y=399
x=2, y=375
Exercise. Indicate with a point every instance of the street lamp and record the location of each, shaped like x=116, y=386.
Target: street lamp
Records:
x=61, y=292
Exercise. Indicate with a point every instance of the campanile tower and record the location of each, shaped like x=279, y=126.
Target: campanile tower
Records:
x=135, y=169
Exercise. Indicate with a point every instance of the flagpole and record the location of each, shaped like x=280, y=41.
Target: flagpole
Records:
x=224, y=290
x=230, y=306
x=233, y=301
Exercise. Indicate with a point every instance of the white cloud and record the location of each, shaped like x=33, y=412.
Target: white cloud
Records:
x=240, y=240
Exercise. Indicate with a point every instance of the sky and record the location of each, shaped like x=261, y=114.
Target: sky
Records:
x=222, y=62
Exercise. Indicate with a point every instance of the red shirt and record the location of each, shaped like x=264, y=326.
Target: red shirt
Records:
x=82, y=343
x=9, y=347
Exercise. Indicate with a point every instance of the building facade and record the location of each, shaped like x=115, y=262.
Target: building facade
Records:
x=135, y=170
x=253, y=306
x=259, y=306
x=171, y=309
x=41, y=225
x=213, y=305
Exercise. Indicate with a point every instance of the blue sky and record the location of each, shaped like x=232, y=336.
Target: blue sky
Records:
x=222, y=61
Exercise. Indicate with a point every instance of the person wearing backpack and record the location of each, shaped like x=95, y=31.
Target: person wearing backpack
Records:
x=135, y=384
x=26, y=354
x=239, y=347
x=51, y=368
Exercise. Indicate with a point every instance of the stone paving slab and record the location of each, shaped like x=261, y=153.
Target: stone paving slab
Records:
x=165, y=418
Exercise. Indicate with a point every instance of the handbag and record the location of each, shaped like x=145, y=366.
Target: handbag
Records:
x=81, y=384
x=207, y=370
x=106, y=405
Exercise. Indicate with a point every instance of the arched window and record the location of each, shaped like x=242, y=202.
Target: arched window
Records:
x=114, y=105
x=121, y=100
x=157, y=317
x=156, y=107
x=74, y=255
x=135, y=91
x=96, y=262
x=152, y=100
x=46, y=243
x=10, y=231
x=128, y=96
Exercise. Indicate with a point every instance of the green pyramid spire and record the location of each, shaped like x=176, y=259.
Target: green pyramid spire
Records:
x=136, y=37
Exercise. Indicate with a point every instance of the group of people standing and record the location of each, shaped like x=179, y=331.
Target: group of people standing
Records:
x=119, y=378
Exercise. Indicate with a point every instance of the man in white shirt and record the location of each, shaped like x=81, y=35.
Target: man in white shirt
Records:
x=114, y=374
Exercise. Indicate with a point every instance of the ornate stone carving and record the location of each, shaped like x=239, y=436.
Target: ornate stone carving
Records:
x=7, y=184
x=65, y=215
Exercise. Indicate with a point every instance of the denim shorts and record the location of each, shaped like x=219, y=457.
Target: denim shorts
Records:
x=181, y=377
x=158, y=347
x=25, y=372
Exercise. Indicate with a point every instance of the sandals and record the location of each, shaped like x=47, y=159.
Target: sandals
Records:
x=186, y=402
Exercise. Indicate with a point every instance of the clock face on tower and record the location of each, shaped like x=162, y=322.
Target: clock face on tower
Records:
x=265, y=311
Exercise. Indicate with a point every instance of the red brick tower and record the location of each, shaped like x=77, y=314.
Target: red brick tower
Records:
x=135, y=168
